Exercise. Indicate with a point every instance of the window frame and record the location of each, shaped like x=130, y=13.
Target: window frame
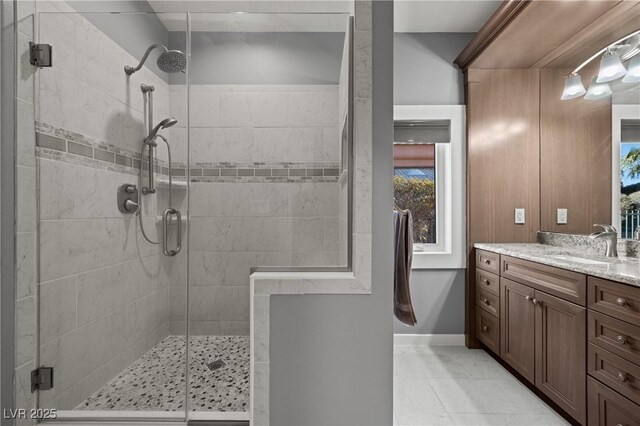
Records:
x=448, y=252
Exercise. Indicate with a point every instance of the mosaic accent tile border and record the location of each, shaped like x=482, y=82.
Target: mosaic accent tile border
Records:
x=62, y=145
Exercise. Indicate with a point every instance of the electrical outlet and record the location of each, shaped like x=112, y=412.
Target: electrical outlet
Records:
x=562, y=217
x=519, y=216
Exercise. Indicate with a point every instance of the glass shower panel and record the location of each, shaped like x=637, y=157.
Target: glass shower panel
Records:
x=112, y=218
x=268, y=175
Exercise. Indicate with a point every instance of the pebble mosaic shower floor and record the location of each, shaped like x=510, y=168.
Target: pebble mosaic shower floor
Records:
x=156, y=381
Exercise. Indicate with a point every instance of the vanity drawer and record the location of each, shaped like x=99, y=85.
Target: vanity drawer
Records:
x=616, y=336
x=487, y=281
x=615, y=372
x=489, y=302
x=608, y=408
x=567, y=285
x=621, y=301
x=488, y=261
x=488, y=330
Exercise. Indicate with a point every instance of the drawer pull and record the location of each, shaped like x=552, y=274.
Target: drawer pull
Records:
x=487, y=282
x=485, y=301
x=485, y=328
x=487, y=261
x=622, y=340
x=622, y=377
x=621, y=302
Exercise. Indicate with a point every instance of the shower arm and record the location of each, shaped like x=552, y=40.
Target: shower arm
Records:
x=130, y=70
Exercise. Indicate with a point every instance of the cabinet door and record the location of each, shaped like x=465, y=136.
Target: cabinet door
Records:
x=561, y=360
x=517, y=327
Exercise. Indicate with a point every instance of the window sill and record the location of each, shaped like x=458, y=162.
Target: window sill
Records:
x=437, y=260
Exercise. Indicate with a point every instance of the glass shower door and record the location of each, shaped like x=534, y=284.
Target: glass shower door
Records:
x=112, y=254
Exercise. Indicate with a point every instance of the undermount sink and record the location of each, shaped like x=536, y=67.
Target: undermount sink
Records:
x=579, y=260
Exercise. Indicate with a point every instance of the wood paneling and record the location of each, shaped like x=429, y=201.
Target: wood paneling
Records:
x=502, y=164
x=616, y=23
x=539, y=29
x=575, y=156
x=561, y=353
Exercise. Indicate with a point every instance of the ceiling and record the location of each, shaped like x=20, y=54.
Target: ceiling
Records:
x=453, y=16
x=410, y=15
x=254, y=15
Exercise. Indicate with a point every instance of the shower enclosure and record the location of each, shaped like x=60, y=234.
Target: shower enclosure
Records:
x=174, y=152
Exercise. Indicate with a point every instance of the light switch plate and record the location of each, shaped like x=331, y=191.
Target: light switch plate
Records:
x=562, y=217
x=519, y=216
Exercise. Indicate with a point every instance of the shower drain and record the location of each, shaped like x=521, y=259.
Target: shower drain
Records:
x=216, y=365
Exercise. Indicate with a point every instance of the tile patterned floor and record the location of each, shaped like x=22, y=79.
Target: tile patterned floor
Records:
x=156, y=380
x=458, y=386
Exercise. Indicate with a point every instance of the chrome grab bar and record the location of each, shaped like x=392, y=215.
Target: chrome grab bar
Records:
x=165, y=231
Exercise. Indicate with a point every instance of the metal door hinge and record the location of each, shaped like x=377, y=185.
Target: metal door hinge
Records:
x=40, y=54
x=42, y=379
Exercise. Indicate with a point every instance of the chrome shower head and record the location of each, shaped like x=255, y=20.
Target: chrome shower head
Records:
x=172, y=61
x=167, y=122
x=168, y=61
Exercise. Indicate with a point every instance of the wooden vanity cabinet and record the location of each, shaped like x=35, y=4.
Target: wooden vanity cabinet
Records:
x=542, y=321
x=543, y=338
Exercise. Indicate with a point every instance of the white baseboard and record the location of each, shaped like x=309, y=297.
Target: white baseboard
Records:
x=429, y=339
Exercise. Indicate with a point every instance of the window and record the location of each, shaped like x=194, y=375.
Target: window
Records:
x=414, y=187
x=428, y=156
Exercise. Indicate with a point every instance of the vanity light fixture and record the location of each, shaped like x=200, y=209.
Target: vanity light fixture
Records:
x=633, y=73
x=611, y=68
x=597, y=90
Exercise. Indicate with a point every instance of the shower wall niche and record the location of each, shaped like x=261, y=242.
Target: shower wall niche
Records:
x=260, y=171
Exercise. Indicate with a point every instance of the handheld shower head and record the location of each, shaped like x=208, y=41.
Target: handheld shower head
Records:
x=168, y=61
x=167, y=122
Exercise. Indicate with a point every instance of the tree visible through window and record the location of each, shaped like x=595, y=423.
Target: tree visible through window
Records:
x=414, y=187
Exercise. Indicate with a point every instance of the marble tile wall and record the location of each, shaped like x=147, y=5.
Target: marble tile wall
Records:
x=103, y=291
x=235, y=225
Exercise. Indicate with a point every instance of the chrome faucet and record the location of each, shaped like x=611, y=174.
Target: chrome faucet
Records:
x=610, y=235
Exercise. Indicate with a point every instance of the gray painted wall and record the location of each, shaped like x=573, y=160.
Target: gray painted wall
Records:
x=332, y=356
x=424, y=73
x=261, y=58
x=438, y=300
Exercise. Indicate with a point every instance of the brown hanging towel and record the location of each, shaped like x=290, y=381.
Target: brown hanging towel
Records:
x=403, y=251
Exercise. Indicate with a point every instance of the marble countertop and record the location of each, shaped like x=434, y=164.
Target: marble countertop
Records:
x=623, y=269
